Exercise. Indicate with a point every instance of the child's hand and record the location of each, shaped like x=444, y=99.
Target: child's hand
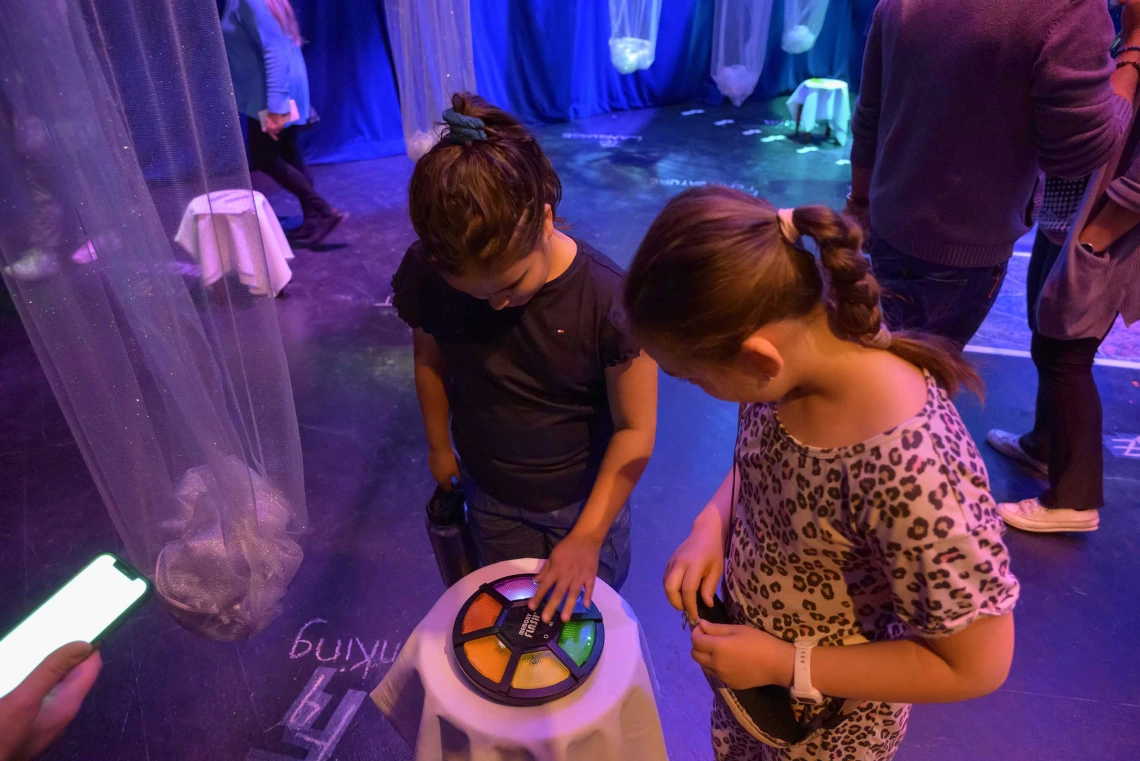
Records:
x=743, y=656
x=573, y=564
x=444, y=467
x=696, y=566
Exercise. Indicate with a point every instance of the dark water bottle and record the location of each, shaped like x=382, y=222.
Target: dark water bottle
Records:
x=450, y=535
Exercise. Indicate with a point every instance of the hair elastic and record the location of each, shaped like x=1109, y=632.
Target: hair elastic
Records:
x=881, y=340
x=463, y=129
x=787, y=225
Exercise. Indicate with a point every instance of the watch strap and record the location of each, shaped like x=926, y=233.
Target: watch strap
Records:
x=802, y=688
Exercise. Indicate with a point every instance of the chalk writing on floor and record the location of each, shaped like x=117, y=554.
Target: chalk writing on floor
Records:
x=300, y=717
x=604, y=140
x=348, y=654
x=1123, y=445
x=673, y=182
x=750, y=132
x=692, y=112
x=723, y=122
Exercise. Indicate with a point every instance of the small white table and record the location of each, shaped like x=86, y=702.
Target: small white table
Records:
x=237, y=231
x=822, y=100
x=612, y=717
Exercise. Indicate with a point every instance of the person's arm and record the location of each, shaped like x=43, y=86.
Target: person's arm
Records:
x=865, y=120
x=275, y=45
x=573, y=564
x=865, y=128
x=967, y=664
x=1117, y=213
x=697, y=565
x=1082, y=104
x=431, y=390
x=38, y=710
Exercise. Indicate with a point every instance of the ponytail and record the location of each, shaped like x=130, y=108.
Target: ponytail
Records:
x=717, y=264
x=854, y=302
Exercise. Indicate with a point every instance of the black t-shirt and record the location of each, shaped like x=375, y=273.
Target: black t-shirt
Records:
x=529, y=411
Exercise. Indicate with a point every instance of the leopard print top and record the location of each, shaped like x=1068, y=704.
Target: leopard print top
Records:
x=897, y=535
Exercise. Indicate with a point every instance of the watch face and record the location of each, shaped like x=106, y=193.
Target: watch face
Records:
x=508, y=653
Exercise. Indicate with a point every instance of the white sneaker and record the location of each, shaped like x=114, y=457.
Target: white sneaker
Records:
x=1009, y=444
x=1029, y=515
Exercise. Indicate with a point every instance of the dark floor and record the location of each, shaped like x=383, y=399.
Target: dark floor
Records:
x=369, y=576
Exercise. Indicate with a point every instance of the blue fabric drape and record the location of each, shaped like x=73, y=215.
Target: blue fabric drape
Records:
x=550, y=60
x=351, y=82
x=543, y=60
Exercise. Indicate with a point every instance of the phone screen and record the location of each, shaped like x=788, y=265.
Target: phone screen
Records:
x=81, y=611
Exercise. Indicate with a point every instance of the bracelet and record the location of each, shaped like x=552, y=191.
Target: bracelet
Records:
x=1125, y=49
x=863, y=203
x=1133, y=64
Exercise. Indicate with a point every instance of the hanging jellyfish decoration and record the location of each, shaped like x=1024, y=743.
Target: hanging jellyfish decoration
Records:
x=431, y=50
x=740, y=42
x=803, y=20
x=633, y=34
x=177, y=390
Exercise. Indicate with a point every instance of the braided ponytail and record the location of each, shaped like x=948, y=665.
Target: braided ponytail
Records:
x=853, y=300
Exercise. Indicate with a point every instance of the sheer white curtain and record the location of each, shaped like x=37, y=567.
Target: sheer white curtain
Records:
x=114, y=116
x=803, y=19
x=431, y=46
x=740, y=42
x=633, y=33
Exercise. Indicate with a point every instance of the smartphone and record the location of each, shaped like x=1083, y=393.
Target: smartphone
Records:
x=85, y=609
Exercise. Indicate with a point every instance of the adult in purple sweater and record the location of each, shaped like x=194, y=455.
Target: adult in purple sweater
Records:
x=963, y=105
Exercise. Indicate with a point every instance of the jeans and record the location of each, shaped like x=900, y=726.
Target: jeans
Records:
x=1067, y=424
x=284, y=162
x=502, y=532
x=951, y=302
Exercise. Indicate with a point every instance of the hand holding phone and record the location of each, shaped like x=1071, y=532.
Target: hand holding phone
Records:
x=36, y=713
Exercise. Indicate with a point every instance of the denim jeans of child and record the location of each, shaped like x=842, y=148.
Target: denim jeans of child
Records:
x=502, y=532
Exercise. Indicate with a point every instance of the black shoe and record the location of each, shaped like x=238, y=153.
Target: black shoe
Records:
x=322, y=227
x=300, y=232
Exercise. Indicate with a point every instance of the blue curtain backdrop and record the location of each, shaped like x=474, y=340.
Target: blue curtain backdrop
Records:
x=543, y=60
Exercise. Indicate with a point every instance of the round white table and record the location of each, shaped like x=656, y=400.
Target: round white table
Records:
x=237, y=231
x=443, y=718
x=822, y=100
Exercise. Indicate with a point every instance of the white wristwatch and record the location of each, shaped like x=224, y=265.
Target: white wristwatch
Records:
x=801, y=677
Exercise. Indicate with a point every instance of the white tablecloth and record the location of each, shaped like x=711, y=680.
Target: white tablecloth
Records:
x=612, y=717
x=822, y=100
x=237, y=231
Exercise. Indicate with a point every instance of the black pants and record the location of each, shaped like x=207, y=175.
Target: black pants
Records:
x=283, y=160
x=1067, y=426
x=951, y=302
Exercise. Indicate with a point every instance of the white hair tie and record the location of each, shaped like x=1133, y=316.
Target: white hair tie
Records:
x=881, y=340
x=787, y=225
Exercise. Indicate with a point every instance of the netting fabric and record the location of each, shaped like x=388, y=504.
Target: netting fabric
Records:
x=115, y=115
x=803, y=20
x=740, y=42
x=633, y=34
x=431, y=48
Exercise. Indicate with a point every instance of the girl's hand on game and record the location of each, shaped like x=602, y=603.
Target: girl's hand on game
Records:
x=572, y=566
x=444, y=466
x=696, y=566
x=743, y=656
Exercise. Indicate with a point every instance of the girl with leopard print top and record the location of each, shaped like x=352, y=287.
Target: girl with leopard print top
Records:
x=855, y=529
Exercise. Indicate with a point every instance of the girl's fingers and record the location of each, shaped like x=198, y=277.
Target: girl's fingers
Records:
x=703, y=659
x=673, y=586
x=689, y=587
x=708, y=587
x=545, y=583
x=554, y=602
